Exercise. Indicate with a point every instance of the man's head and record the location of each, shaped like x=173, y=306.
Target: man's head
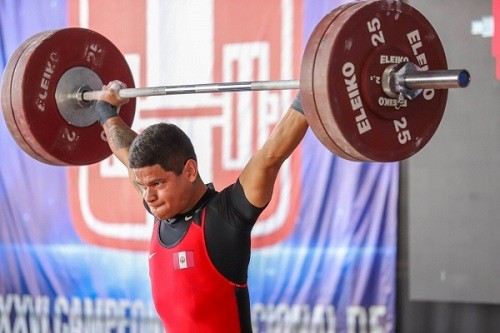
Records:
x=163, y=144
x=164, y=164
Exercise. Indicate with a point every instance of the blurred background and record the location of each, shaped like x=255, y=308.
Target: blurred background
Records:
x=344, y=246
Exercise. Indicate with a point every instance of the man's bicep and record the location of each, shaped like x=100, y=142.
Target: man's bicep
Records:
x=257, y=180
x=259, y=175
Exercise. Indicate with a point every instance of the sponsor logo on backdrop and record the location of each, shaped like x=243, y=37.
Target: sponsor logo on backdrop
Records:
x=196, y=45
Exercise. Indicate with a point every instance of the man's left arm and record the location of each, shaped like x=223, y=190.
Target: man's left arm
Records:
x=260, y=173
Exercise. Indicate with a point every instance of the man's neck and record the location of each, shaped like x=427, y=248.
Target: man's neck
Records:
x=199, y=190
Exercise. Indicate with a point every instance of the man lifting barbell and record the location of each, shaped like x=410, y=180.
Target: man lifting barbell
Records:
x=200, y=247
x=373, y=83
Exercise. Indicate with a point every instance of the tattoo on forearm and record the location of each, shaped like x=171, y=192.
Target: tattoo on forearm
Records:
x=121, y=137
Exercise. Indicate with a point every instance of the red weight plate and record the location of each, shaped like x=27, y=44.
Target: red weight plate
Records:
x=355, y=49
x=6, y=92
x=34, y=105
x=306, y=83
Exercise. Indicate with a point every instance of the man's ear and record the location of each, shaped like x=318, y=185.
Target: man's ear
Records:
x=191, y=169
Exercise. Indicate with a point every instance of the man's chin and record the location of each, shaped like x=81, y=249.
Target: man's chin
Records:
x=156, y=212
x=159, y=214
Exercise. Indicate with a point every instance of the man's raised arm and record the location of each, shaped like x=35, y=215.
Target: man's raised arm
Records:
x=118, y=134
x=260, y=173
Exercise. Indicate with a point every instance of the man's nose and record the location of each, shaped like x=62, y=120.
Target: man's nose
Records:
x=149, y=194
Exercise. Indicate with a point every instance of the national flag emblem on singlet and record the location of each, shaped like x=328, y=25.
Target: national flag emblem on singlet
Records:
x=183, y=259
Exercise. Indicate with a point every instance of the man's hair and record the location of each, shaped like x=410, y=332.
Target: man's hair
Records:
x=163, y=144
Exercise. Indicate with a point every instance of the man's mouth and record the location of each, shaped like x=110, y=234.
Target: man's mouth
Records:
x=154, y=206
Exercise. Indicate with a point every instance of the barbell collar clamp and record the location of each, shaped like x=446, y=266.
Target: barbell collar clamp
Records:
x=407, y=80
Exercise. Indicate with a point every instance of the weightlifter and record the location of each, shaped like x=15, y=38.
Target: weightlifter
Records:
x=200, y=246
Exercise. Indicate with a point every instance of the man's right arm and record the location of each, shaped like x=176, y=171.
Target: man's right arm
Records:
x=118, y=134
x=120, y=137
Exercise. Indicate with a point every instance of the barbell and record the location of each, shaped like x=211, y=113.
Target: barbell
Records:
x=373, y=81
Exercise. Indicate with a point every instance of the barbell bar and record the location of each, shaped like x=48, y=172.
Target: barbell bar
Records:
x=410, y=80
x=194, y=89
x=363, y=94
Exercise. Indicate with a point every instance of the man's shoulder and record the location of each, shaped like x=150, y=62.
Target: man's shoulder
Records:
x=231, y=206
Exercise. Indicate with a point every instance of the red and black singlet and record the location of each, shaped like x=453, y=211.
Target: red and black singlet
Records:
x=198, y=265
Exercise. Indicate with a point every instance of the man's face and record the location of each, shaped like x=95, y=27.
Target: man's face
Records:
x=166, y=193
